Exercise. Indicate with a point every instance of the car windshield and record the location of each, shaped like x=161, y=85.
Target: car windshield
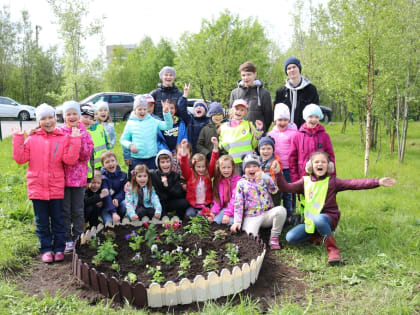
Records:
x=93, y=99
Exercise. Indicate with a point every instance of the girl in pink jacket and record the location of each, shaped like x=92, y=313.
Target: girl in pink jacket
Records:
x=76, y=176
x=224, y=189
x=46, y=150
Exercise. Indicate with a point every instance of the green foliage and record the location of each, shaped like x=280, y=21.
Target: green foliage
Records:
x=210, y=261
x=150, y=235
x=157, y=274
x=199, y=226
x=168, y=258
x=232, y=253
x=135, y=242
x=184, y=265
x=171, y=236
x=94, y=242
x=115, y=267
x=106, y=252
x=219, y=235
x=131, y=277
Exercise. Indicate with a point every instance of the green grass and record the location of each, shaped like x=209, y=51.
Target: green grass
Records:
x=378, y=236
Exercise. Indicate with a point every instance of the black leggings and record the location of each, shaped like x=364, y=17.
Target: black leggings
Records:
x=179, y=205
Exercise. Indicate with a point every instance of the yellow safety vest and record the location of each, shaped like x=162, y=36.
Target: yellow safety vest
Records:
x=238, y=141
x=315, y=195
x=100, y=145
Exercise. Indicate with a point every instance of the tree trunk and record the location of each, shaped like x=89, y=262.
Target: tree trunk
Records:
x=346, y=115
x=393, y=133
x=368, y=136
x=403, y=141
x=370, y=94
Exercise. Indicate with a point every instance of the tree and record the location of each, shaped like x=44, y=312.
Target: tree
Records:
x=8, y=32
x=70, y=16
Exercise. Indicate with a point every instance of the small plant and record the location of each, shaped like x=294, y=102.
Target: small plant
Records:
x=151, y=234
x=131, y=277
x=232, y=252
x=170, y=232
x=184, y=265
x=206, y=212
x=116, y=267
x=199, y=226
x=157, y=274
x=131, y=235
x=219, y=235
x=106, y=252
x=94, y=242
x=168, y=258
x=109, y=235
x=137, y=258
x=135, y=242
x=210, y=262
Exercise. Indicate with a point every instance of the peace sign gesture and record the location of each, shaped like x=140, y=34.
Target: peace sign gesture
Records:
x=186, y=89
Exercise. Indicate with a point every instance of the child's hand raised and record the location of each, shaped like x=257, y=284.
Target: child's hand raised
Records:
x=387, y=182
x=17, y=131
x=75, y=132
x=215, y=144
x=186, y=89
x=184, y=147
x=276, y=167
x=259, y=124
x=165, y=106
x=236, y=227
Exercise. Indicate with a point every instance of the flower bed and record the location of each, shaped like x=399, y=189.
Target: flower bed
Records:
x=163, y=263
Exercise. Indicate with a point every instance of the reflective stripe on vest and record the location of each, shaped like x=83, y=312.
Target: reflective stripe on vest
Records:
x=99, y=146
x=315, y=195
x=237, y=141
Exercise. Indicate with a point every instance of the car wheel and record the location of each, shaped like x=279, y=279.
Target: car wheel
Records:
x=126, y=116
x=24, y=115
x=326, y=118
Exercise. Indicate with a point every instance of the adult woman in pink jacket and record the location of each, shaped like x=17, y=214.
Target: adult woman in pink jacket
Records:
x=46, y=150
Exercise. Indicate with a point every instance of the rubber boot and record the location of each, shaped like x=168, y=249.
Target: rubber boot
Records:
x=333, y=251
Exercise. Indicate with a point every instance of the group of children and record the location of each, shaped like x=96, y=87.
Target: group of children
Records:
x=186, y=164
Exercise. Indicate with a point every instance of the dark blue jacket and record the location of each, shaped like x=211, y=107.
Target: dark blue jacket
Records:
x=182, y=134
x=194, y=124
x=162, y=93
x=114, y=182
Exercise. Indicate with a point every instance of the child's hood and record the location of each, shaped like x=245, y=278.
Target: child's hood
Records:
x=304, y=83
x=166, y=152
x=55, y=132
x=257, y=83
x=135, y=118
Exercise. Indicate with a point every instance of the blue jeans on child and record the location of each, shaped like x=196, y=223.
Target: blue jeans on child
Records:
x=121, y=211
x=287, y=197
x=219, y=217
x=150, y=163
x=322, y=226
x=49, y=213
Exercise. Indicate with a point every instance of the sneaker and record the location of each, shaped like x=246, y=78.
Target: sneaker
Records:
x=69, y=247
x=59, y=256
x=47, y=257
x=274, y=243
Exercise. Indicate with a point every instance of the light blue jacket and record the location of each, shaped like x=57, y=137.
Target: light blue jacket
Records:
x=132, y=199
x=143, y=134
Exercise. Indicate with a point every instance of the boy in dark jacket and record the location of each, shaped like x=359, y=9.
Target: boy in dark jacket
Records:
x=204, y=144
x=167, y=185
x=194, y=122
x=93, y=199
x=258, y=98
x=113, y=181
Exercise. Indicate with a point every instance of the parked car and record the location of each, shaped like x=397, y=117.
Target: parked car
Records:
x=12, y=109
x=120, y=104
x=327, y=113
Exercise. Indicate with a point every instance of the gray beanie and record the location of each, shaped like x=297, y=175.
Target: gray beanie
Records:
x=214, y=109
x=251, y=158
x=163, y=152
x=71, y=105
x=165, y=70
x=139, y=100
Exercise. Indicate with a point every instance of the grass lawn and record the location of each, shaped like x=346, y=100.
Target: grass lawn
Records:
x=378, y=235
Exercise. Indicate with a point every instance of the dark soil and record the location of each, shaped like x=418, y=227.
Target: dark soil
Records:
x=277, y=281
x=248, y=249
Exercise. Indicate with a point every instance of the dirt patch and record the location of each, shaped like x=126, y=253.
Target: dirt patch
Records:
x=276, y=281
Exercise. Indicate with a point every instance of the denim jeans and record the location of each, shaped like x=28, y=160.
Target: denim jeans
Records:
x=322, y=226
x=219, y=217
x=150, y=163
x=287, y=197
x=49, y=224
x=107, y=215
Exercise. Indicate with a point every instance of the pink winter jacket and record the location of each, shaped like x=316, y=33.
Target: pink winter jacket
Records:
x=304, y=143
x=283, y=143
x=76, y=175
x=223, y=186
x=46, y=154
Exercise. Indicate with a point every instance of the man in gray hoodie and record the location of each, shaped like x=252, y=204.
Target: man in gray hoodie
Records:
x=297, y=92
x=258, y=98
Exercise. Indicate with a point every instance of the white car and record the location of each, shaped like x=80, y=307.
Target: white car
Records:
x=11, y=108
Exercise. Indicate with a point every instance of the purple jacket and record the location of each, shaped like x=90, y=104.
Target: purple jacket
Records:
x=76, y=175
x=335, y=185
x=304, y=143
x=223, y=183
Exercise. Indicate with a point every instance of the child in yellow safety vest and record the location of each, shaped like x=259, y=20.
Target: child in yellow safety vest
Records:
x=239, y=137
x=321, y=210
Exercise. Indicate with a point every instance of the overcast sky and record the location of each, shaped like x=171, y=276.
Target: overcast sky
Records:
x=129, y=21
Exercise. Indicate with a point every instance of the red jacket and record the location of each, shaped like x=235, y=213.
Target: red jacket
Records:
x=192, y=179
x=335, y=185
x=46, y=153
x=304, y=143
